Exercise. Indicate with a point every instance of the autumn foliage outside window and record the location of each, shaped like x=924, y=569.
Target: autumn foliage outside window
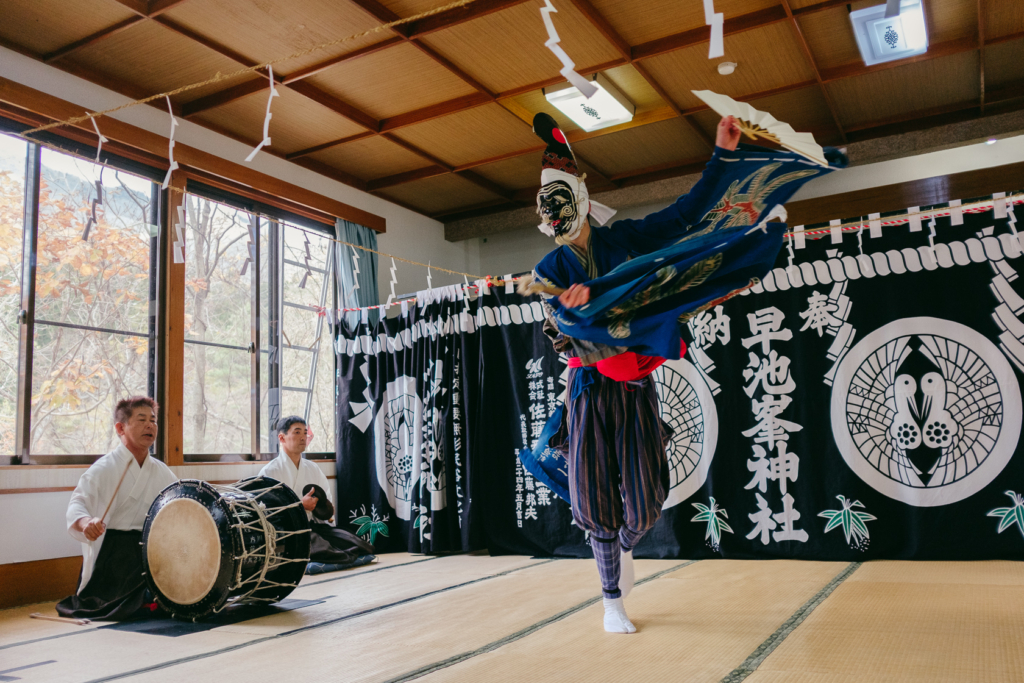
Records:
x=93, y=313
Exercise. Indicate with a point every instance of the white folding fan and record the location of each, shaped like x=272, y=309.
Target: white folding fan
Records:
x=759, y=124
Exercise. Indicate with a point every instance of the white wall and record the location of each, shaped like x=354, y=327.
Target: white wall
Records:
x=517, y=251
x=34, y=524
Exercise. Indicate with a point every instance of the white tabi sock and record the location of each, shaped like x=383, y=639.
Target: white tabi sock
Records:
x=626, y=575
x=615, y=619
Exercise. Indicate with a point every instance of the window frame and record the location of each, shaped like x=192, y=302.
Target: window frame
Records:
x=157, y=287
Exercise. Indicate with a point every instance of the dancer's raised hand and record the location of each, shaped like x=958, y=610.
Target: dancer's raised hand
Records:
x=728, y=133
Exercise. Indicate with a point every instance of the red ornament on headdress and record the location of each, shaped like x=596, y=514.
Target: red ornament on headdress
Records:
x=558, y=155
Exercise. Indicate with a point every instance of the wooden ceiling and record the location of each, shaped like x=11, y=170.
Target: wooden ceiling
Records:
x=435, y=114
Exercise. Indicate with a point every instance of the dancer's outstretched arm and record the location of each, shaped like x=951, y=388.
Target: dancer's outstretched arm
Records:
x=654, y=232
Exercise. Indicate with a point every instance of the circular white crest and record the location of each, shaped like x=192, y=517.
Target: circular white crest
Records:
x=398, y=442
x=689, y=408
x=968, y=411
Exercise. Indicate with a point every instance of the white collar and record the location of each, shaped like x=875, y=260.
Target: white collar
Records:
x=282, y=454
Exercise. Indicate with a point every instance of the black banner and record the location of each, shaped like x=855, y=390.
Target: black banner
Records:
x=863, y=402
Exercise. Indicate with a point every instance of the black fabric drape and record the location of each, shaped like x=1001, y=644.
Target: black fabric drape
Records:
x=863, y=403
x=406, y=414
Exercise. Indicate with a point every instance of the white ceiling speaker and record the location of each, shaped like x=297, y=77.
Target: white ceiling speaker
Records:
x=886, y=39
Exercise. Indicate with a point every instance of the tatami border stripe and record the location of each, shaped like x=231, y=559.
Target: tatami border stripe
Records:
x=490, y=647
x=750, y=665
x=313, y=583
x=354, y=615
x=371, y=571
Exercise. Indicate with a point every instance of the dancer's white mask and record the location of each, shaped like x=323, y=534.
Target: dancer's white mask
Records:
x=564, y=204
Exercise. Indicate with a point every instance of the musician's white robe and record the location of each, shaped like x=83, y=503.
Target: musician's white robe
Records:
x=140, y=488
x=284, y=470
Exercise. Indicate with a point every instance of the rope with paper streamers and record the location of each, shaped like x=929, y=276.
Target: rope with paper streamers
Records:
x=527, y=286
x=252, y=69
x=853, y=225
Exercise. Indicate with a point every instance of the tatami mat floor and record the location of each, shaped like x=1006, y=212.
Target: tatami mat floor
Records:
x=478, y=618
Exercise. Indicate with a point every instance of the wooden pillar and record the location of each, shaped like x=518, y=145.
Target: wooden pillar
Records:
x=171, y=333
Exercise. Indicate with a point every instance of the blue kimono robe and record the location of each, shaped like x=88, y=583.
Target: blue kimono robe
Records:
x=646, y=278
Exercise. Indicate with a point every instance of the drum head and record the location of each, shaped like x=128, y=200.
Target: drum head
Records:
x=184, y=551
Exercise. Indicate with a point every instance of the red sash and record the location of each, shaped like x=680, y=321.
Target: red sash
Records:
x=628, y=366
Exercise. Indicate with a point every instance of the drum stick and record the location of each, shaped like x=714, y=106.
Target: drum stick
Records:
x=119, y=481
x=63, y=620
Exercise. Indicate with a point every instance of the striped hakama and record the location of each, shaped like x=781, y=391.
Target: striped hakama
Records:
x=614, y=442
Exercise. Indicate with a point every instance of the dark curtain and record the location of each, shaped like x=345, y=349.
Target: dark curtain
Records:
x=407, y=385
x=862, y=403
x=356, y=289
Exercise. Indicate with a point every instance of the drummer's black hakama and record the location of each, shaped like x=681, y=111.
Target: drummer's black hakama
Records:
x=117, y=588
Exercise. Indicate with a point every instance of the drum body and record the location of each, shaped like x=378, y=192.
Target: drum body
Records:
x=206, y=547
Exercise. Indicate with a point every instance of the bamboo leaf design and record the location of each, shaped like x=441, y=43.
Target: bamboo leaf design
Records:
x=853, y=522
x=1012, y=515
x=715, y=524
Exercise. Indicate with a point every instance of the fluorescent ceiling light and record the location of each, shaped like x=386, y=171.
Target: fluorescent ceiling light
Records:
x=608, y=107
x=882, y=39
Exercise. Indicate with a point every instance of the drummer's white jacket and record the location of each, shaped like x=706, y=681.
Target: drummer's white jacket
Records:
x=284, y=470
x=140, y=488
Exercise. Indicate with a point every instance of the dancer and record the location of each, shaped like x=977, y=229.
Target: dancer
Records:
x=609, y=432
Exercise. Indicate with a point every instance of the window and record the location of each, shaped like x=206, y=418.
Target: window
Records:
x=92, y=302
x=307, y=357
x=77, y=246
x=238, y=263
x=219, y=296
x=79, y=283
x=12, y=210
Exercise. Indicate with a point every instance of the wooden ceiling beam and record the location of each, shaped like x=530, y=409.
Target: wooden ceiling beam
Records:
x=696, y=36
x=92, y=39
x=555, y=80
x=336, y=105
x=598, y=21
x=457, y=16
x=235, y=92
x=378, y=11
x=489, y=185
x=158, y=7
x=219, y=48
x=814, y=67
x=447, y=64
x=407, y=177
x=650, y=175
x=482, y=209
x=139, y=7
x=408, y=146
x=758, y=95
x=307, y=90
x=609, y=33
x=341, y=59
x=434, y=111
x=820, y=7
x=222, y=97
x=327, y=145
x=854, y=69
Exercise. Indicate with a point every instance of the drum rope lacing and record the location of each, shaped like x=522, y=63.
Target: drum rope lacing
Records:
x=271, y=536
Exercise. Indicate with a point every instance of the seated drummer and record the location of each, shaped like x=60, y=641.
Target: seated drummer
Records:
x=128, y=479
x=328, y=544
